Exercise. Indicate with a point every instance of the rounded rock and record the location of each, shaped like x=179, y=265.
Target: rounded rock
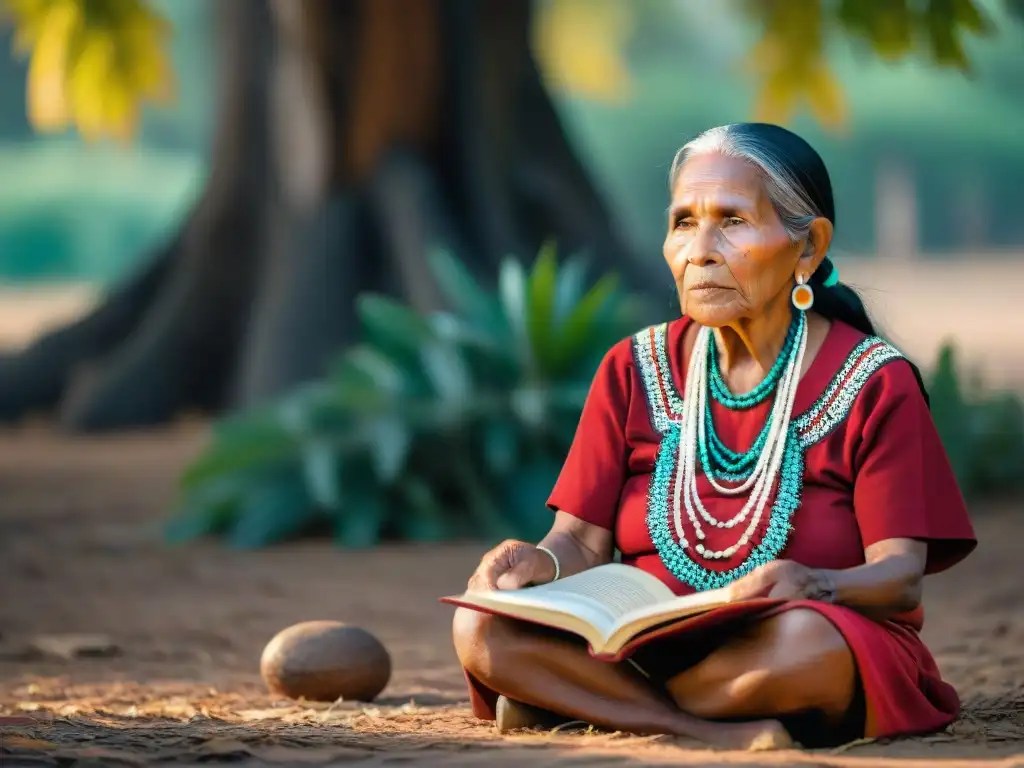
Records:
x=325, y=661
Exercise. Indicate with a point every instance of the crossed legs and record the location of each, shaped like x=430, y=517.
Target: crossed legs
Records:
x=791, y=663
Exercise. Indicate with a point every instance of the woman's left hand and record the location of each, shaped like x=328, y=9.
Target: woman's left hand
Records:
x=784, y=579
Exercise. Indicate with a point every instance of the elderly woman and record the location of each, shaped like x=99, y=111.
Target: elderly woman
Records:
x=768, y=441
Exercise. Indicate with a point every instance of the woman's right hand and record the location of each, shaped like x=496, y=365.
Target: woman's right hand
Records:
x=512, y=565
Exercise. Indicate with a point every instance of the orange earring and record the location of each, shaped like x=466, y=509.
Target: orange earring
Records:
x=803, y=294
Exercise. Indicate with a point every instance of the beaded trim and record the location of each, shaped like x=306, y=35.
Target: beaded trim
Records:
x=665, y=405
x=832, y=408
x=665, y=410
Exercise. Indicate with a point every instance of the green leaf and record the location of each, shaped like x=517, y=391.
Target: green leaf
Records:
x=490, y=358
x=362, y=522
x=321, y=471
x=447, y=371
x=274, y=511
x=570, y=288
x=541, y=311
x=465, y=294
x=501, y=446
x=386, y=375
x=423, y=519
x=530, y=405
x=514, y=291
x=391, y=326
x=949, y=412
x=208, y=509
x=1014, y=9
x=969, y=15
x=390, y=442
x=245, y=445
x=525, y=497
x=996, y=432
x=354, y=389
x=310, y=407
x=583, y=335
x=479, y=498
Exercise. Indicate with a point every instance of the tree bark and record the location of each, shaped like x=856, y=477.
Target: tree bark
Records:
x=352, y=137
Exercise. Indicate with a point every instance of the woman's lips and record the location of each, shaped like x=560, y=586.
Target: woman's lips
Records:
x=707, y=287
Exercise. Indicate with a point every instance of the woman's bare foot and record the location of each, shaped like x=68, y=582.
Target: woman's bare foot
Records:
x=513, y=715
x=754, y=736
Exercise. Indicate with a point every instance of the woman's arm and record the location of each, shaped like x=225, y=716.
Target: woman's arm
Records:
x=888, y=584
x=578, y=545
x=514, y=564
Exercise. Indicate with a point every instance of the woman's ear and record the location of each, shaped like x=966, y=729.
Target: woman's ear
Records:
x=819, y=239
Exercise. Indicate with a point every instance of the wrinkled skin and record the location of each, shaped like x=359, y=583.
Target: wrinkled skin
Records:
x=734, y=267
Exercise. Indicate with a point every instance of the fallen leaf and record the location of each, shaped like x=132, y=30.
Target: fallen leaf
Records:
x=222, y=747
x=10, y=721
x=24, y=743
x=18, y=652
x=852, y=745
x=309, y=755
x=100, y=755
x=75, y=646
x=261, y=714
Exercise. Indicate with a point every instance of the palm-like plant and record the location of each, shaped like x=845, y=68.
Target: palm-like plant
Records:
x=448, y=425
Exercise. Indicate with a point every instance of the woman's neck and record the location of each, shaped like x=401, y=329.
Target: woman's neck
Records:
x=749, y=347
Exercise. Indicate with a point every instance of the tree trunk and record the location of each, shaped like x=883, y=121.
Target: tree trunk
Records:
x=352, y=137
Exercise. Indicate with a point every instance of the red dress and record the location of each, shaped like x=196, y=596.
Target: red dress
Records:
x=874, y=469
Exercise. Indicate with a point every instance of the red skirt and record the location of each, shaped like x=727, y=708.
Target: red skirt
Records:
x=904, y=693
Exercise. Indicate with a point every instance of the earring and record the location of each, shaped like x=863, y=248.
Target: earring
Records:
x=803, y=294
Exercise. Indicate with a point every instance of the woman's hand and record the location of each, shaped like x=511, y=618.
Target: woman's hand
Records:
x=784, y=579
x=512, y=565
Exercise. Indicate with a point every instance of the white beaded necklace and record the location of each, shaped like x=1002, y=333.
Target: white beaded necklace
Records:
x=766, y=471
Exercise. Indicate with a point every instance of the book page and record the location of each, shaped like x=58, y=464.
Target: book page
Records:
x=601, y=596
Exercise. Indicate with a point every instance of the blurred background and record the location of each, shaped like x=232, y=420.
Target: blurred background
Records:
x=319, y=225
x=278, y=269
x=294, y=284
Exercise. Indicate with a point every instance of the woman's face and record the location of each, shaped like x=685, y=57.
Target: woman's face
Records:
x=726, y=247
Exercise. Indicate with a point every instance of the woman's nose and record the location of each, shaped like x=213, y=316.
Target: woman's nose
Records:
x=704, y=249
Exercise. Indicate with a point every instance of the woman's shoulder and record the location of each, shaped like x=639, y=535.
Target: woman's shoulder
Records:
x=860, y=374
x=858, y=359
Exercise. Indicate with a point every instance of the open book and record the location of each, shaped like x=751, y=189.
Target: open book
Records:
x=612, y=606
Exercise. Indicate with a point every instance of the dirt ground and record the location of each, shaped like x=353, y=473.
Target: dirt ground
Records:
x=80, y=555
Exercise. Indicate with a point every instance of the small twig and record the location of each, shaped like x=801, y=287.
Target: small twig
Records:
x=851, y=745
x=327, y=712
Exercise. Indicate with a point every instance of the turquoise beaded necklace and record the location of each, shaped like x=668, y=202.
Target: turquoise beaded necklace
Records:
x=682, y=445
x=720, y=390
x=716, y=458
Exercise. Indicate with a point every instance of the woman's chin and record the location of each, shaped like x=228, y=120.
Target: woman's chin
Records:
x=711, y=316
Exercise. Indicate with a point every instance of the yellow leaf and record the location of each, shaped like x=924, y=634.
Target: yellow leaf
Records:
x=47, y=75
x=776, y=99
x=580, y=44
x=88, y=78
x=121, y=110
x=826, y=98
x=28, y=17
x=93, y=63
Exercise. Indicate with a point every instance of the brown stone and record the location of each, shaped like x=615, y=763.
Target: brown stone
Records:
x=325, y=661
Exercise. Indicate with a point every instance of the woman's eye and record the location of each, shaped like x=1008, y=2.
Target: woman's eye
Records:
x=734, y=221
x=684, y=224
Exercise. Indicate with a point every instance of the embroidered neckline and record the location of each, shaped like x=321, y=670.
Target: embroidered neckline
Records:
x=665, y=409
x=828, y=411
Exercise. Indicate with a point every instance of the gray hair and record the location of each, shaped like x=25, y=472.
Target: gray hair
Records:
x=784, y=190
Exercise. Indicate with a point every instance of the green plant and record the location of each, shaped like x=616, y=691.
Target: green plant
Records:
x=435, y=427
x=983, y=431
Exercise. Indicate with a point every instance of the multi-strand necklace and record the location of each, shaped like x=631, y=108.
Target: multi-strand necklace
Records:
x=774, y=458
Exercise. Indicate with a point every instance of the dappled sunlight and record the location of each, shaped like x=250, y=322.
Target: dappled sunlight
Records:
x=179, y=679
